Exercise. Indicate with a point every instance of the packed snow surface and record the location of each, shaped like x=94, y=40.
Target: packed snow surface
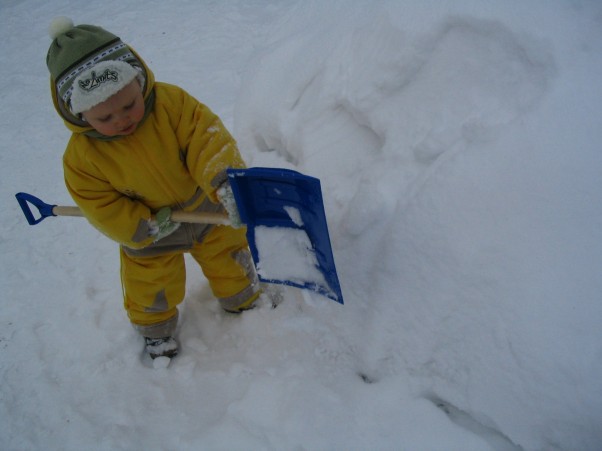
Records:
x=286, y=253
x=458, y=148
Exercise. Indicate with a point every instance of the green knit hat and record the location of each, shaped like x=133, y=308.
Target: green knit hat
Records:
x=77, y=48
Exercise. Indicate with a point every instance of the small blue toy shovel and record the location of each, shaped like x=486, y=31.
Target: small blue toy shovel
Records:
x=287, y=232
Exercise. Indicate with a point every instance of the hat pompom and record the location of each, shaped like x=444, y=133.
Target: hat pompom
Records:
x=60, y=25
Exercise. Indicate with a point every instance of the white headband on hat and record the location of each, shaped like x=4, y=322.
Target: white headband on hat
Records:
x=101, y=81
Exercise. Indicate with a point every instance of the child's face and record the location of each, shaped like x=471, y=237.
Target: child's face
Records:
x=120, y=114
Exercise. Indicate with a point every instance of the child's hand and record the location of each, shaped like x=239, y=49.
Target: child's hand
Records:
x=226, y=198
x=162, y=225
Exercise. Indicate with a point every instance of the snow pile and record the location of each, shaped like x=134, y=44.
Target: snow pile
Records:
x=287, y=254
x=458, y=152
x=466, y=246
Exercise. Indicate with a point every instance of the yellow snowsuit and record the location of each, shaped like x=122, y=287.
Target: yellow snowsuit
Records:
x=177, y=157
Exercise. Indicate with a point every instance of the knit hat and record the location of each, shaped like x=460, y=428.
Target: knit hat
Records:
x=75, y=53
x=97, y=84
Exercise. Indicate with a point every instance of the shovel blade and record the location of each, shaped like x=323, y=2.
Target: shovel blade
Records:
x=286, y=228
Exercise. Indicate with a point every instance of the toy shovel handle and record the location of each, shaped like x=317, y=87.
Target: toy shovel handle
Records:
x=45, y=210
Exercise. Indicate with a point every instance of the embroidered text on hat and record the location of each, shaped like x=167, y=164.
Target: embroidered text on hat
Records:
x=96, y=80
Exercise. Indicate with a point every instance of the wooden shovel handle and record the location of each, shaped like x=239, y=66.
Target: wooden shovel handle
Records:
x=66, y=211
x=176, y=216
x=198, y=217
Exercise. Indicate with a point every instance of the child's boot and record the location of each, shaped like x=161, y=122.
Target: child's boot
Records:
x=161, y=347
x=247, y=305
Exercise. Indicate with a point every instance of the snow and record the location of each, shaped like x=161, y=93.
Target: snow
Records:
x=161, y=362
x=287, y=254
x=457, y=144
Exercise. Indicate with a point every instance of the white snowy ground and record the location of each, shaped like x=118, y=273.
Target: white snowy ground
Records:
x=458, y=145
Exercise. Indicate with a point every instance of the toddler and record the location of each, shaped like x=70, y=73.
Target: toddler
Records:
x=138, y=149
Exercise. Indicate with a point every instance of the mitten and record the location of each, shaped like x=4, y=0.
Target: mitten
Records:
x=226, y=198
x=162, y=225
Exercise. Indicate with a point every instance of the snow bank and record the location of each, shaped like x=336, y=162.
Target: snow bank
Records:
x=446, y=192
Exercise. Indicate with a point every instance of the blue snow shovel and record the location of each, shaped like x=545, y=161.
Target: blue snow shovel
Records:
x=269, y=199
x=283, y=211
